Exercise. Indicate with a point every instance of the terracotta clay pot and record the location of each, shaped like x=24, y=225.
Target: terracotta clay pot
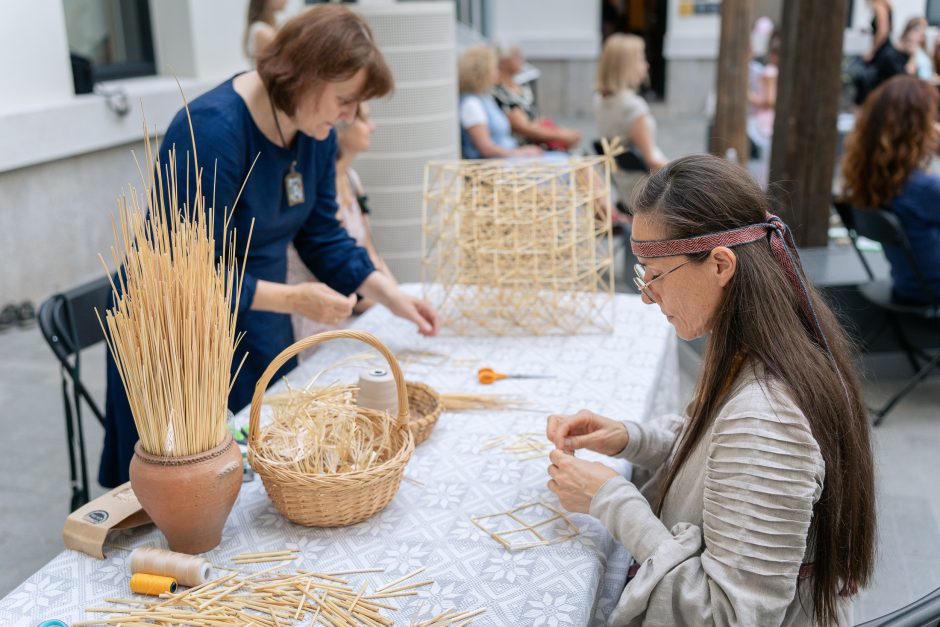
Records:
x=189, y=498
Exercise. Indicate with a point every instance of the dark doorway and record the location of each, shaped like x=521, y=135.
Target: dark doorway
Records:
x=647, y=19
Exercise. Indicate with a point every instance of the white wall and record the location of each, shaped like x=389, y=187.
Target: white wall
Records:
x=548, y=29
x=33, y=44
x=64, y=158
x=41, y=119
x=695, y=37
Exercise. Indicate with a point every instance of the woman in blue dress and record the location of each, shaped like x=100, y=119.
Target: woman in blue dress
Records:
x=314, y=74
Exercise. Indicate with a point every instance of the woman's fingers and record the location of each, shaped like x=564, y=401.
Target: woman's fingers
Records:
x=430, y=316
x=559, y=427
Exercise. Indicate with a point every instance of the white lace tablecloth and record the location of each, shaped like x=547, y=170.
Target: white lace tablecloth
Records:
x=630, y=374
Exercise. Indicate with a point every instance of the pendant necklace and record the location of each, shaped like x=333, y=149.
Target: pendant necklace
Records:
x=293, y=181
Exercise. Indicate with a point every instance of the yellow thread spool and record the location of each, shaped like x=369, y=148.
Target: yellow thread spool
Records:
x=154, y=585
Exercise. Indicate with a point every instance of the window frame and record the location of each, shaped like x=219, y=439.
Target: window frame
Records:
x=101, y=72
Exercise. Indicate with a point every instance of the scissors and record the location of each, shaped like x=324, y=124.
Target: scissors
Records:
x=487, y=376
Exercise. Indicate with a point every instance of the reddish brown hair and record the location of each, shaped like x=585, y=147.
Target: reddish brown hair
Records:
x=325, y=44
x=761, y=317
x=893, y=136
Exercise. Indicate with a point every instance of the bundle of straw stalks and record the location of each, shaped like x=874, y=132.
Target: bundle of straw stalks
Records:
x=172, y=328
x=320, y=431
x=458, y=401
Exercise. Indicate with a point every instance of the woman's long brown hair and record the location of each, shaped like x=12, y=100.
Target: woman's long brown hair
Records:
x=761, y=316
x=893, y=136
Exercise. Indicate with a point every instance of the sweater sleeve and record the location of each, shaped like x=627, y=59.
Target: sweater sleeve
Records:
x=763, y=474
x=322, y=243
x=650, y=443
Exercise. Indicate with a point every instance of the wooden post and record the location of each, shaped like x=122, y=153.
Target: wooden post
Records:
x=803, y=155
x=730, y=130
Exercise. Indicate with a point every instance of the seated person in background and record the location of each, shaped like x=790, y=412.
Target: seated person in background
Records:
x=261, y=26
x=518, y=103
x=620, y=111
x=351, y=140
x=913, y=41
x=485, y=132
x=885, y=167
x=762, y=96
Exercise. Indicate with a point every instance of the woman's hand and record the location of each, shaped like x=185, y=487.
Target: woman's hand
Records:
x=587, y=430
x=416, y=310
x=576, y=481
x=321, y=303
x=382, y=288
x=527, y=151
x=569, y=136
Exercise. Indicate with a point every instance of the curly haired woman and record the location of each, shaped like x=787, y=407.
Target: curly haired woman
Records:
x=885, y=166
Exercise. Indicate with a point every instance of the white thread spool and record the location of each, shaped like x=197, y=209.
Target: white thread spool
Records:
x=188, y=570
x=377, y=390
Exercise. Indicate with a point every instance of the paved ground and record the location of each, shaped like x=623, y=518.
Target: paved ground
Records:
x=34, y=492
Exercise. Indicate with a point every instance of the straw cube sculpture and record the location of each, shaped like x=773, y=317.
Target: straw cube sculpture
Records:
x=519, y=247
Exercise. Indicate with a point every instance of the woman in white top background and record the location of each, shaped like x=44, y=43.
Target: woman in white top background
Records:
x=485, y=131
x=261, y=25
x=620, y=111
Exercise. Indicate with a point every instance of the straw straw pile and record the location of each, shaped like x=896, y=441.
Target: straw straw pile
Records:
x=322, y=431
x=172, y=328
x=273, y=598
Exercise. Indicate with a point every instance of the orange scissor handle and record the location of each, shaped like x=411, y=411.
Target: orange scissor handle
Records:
x=487, y=376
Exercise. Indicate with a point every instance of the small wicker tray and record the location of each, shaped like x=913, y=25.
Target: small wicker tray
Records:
x=426, y=408
x=333, y=500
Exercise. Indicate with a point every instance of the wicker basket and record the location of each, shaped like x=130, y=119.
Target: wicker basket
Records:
x=426, y=407
x=338, y=499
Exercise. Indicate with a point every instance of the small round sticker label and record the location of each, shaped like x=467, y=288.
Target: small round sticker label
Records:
x=97, y=516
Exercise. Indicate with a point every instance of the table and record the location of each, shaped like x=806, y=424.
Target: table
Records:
x=630, y=374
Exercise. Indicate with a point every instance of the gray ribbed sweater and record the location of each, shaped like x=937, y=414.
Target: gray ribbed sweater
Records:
x=734, y=526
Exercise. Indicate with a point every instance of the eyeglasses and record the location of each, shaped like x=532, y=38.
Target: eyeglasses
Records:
x=643, y=286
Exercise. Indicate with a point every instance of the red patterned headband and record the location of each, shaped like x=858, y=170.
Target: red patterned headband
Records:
x=781, y=243
x=782, y=246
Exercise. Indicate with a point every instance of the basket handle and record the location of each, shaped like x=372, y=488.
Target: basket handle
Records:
x=258, y=398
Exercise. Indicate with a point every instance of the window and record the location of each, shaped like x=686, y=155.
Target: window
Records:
x=933, y=12
x=108, y=39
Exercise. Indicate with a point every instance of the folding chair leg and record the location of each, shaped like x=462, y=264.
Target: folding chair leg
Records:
x=910, y=385
x=909, y=350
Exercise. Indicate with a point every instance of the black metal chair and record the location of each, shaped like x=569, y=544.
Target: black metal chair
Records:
x=924, y=612
x=70, y=325
x=884, y=227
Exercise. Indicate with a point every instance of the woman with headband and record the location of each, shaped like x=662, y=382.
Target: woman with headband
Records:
x=760, y=507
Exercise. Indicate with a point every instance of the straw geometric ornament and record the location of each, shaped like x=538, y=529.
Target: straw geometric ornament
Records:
x=528, y=526
x=519, y=247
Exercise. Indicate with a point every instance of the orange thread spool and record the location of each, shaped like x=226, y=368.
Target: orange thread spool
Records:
x=154, y=585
